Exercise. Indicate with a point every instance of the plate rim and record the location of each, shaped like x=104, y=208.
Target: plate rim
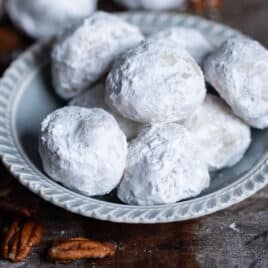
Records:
x=21, y=167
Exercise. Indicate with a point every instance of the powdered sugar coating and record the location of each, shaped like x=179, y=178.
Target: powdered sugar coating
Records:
x=83, y=55
x=44, y=18
x=192, y=40
x=153, y=4
x=261, y=122
x=223, y=138
x=157, y=81
x=238, y=70
x=164, y=165
x=84, y=149
x=94, y=98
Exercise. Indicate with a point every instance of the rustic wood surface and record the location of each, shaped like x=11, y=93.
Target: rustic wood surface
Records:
x=235, y=237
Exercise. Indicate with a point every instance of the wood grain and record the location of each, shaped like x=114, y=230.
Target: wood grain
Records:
x=235, y=237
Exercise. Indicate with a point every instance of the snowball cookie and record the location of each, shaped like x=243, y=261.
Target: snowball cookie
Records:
x=223, y=138
x=238, y=70
x=155, y=82
x=192, y=40
x=152, y=4
x=82, y=56
x=94, y=98
x=84, y=149
x=164, y=165
x=44, y=18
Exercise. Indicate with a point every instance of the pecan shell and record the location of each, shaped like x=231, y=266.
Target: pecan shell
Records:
x=80, y=248
x=20, y=237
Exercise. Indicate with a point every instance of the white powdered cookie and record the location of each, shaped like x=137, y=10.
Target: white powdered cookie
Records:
x=238, y=70
x=223, y=138
x=84, y=149
x=190, y=39
x=94, y=98
x=164, y=165
x=45, y=18
x=84, y=54
x=155, y=82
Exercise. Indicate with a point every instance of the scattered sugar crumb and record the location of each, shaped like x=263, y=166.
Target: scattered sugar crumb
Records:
x=234, y=227
x=148, y=251
x=120, y=246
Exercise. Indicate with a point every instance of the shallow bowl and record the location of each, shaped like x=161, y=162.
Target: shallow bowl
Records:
x=26, y=97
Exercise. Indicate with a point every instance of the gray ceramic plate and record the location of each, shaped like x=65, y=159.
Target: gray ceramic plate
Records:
x=26, y=97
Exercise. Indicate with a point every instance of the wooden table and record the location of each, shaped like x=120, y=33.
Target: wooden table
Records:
x=235, y=237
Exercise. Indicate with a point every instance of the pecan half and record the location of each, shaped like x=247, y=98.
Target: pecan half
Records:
x=20, y=237
x=80, y=248
x=197, y=5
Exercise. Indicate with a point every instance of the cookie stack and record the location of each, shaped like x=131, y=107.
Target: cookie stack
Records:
x=139, y=118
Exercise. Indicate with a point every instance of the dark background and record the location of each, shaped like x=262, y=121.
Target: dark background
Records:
x=206, y=242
